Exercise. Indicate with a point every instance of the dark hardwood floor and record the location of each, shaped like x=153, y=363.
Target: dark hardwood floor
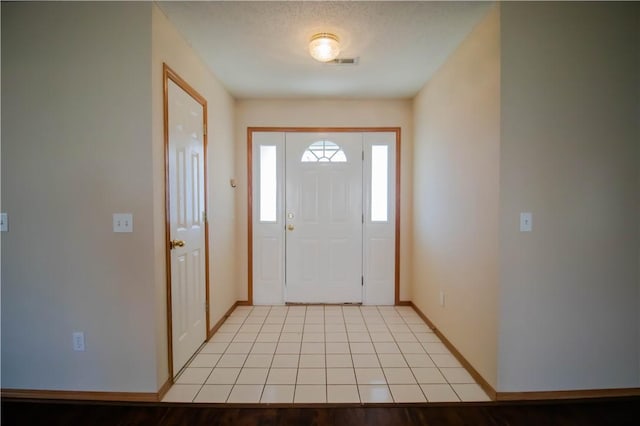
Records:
x=616, y=412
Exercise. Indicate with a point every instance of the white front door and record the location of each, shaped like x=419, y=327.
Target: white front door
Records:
x=187, y=224
x=323, y=217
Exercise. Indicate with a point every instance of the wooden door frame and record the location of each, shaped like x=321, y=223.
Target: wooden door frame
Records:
x=169, y=74
x=252, y=130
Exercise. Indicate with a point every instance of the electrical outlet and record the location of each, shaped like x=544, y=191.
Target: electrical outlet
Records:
x=78, y=341
x=122, y=222
x=4, y=222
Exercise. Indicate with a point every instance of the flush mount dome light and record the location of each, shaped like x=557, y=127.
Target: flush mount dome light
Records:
x=324, y=47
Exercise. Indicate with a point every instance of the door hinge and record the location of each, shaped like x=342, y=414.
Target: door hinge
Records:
x=204, y=217
x=362, y=281
x=204, y=129
x=362, y=155
x=206, y=306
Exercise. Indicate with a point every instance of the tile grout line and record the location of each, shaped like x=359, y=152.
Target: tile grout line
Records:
x=353, y=365
x=411, y=370
x=378, y=355
x=359, y=316
x=437, y=368
x=216, y=363
x=426, y=353
x=247, y=355
x=235, y=381
x=295, y=382
x=429, y=356
x=401, y=353
x=254, y=342
x=326, y=355
x=368, y=331
x=440, y=371
x=273, y=355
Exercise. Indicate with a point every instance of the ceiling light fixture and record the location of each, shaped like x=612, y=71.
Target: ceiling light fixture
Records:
x=324, y=47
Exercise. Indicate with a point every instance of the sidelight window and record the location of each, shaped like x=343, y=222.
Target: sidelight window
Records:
x=379, y=183
x=268, y=183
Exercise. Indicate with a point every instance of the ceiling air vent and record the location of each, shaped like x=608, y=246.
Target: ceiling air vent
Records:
x=345, y=61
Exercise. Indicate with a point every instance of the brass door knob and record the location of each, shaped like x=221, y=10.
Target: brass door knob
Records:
x=290, y=227
x=176, y=243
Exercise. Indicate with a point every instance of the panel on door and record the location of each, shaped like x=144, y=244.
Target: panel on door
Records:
x=323, y=217
x=186, y=223
x=379, y=218
x=268, y=218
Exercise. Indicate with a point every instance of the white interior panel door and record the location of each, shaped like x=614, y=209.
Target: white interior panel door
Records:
x=186, y=218
x=323, y=217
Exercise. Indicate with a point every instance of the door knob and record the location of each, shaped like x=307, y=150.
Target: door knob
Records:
x=176, y=243
x=290, y=227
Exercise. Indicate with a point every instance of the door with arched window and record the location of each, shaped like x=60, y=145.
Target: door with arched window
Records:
x=323, y=217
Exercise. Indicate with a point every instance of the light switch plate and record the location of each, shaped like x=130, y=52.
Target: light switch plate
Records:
x=122, y=222
x=78, y=341
x=526, y=222
x=4, y=222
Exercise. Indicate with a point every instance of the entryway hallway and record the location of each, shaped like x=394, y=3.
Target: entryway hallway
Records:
x=324, y=354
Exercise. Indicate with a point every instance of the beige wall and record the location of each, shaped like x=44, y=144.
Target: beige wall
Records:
x=456, y=197
x=169, y=47
x=325, y=113
x=569, y=154
x=82, y=139
x=76, y=147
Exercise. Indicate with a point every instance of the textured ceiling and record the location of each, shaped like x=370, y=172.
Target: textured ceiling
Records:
x=259, y=49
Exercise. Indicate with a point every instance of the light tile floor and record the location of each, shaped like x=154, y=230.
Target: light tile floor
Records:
x=324, y=354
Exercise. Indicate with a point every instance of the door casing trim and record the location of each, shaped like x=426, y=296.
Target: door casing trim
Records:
x=251, y=130
x=169, y=74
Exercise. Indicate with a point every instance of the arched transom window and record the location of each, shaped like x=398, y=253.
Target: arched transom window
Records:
x=324, y=152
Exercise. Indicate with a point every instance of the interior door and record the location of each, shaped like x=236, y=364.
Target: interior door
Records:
x=187, y=223
x=323, y=217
